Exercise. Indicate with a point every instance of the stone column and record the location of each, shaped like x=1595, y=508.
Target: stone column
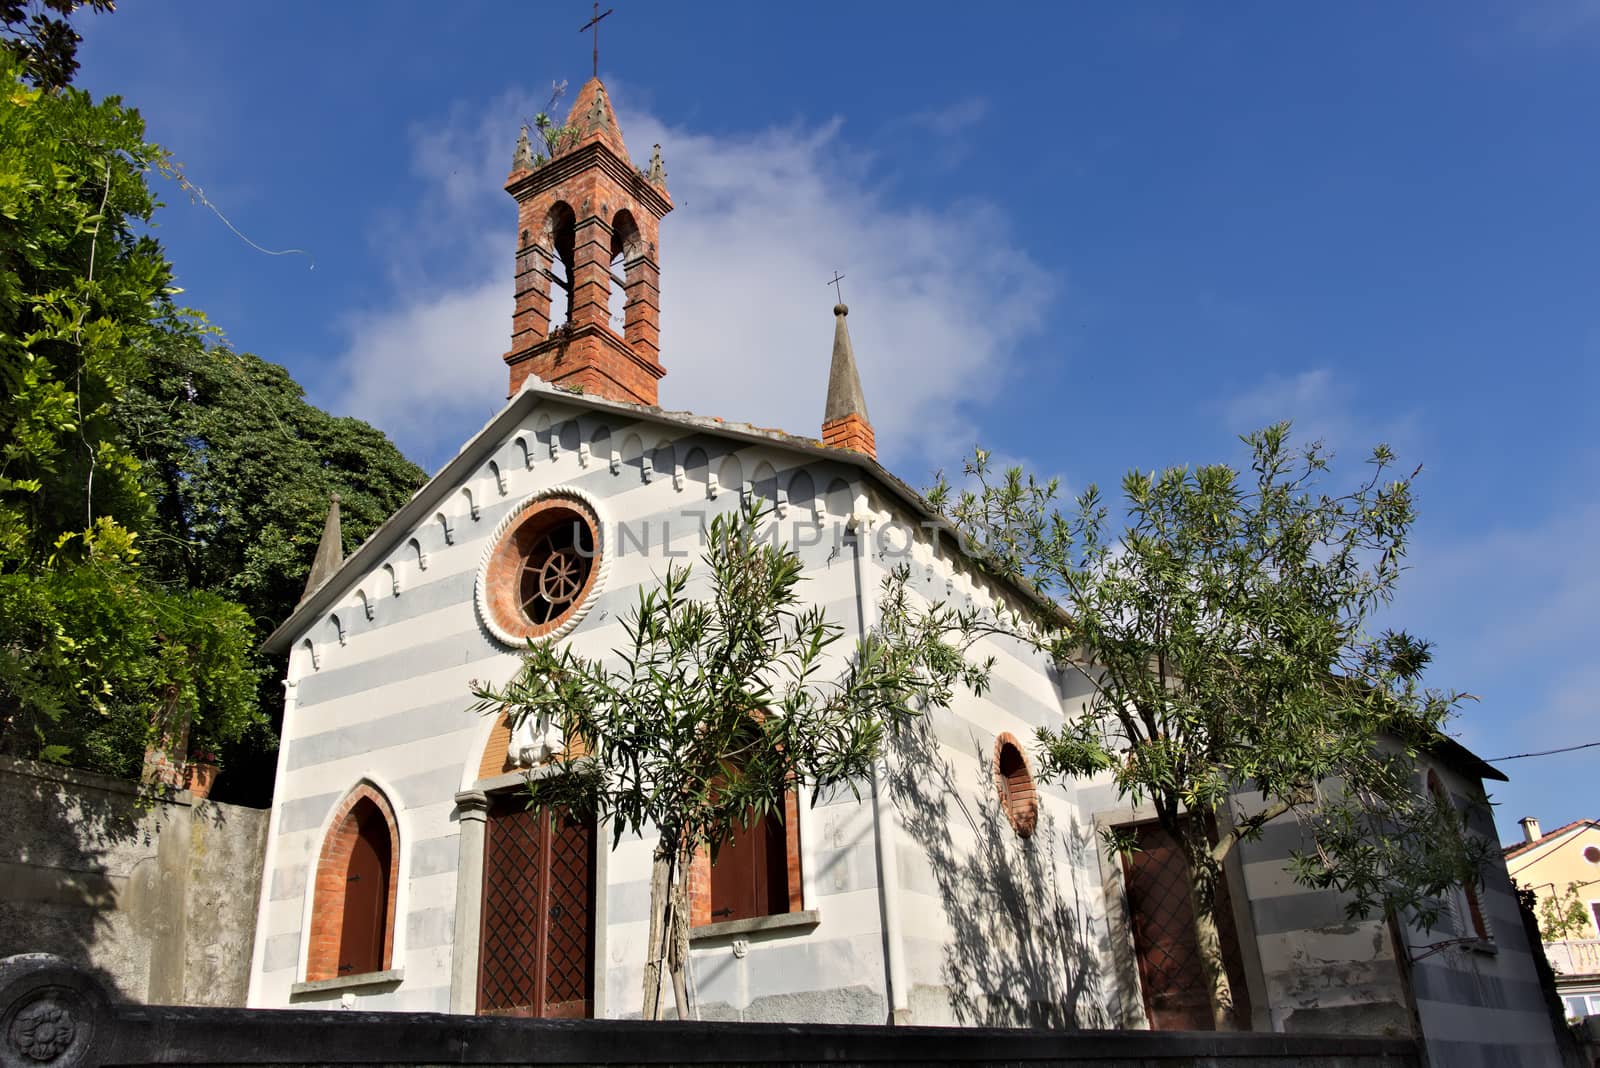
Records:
x=472, y=807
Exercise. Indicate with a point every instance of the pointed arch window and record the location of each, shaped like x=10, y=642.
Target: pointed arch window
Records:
x=352, y=918
x=560, y=230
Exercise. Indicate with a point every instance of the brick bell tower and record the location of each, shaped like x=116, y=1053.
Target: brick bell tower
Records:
x=587, y=214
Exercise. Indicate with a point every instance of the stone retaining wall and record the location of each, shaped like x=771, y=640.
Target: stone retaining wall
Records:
x=51, y=1013
x=151, y=890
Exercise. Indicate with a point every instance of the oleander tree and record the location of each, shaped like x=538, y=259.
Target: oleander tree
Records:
x=1229, y=634
x=728, y=690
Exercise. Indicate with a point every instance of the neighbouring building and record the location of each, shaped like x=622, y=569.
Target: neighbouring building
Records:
x=403, y=872
x=1555, y=867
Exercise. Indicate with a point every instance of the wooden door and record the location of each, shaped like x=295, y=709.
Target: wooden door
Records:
x=1168, y=953
x=536, y=957
x=751, y=875
x=366, y=896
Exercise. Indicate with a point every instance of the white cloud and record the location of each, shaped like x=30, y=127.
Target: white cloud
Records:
x=940, y=296
x=1551, y=23
x=1323, y=408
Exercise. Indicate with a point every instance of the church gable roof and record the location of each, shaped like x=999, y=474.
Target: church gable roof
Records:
x=481, y=448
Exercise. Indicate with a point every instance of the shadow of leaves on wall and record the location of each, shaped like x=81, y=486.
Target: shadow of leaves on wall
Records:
x=1026, y=947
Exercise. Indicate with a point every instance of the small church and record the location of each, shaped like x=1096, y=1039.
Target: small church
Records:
x=404, y=872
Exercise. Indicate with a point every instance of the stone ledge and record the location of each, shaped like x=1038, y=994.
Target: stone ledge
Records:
x=348, y=982
x=807, y=918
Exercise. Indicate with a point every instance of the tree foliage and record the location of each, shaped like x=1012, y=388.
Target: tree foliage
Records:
x=1225, y=636
x=93, y=655
x=714, y=707
x=239, y=467
x=1565, y=915
x=42, y=41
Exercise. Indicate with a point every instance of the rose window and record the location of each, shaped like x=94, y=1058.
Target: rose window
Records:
x=541, y=569
x=556, y=567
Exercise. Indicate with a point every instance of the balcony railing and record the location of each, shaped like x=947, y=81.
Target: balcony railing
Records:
x=1574, y=957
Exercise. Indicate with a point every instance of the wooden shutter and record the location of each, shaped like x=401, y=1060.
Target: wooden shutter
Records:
x=751, y=875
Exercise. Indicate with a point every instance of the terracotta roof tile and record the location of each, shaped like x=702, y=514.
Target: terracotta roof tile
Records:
x=1523, y=847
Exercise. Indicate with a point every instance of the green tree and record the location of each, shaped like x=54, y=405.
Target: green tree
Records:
x=1225, y=636
x=239, y=468
x=39, y=37
x=1564, y=915
x=94, y=657
x=715, y=707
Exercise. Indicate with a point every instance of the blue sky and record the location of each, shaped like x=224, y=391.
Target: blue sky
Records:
x=1090, y=237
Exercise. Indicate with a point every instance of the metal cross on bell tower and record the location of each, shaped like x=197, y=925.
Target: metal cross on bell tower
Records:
x=594, y=24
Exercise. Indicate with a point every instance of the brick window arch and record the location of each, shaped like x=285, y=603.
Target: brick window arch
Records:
x=358, y=875
x=1469, y=892
x=1019, y=799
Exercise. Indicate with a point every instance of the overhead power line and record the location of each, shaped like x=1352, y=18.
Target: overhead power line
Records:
x=1545, y=752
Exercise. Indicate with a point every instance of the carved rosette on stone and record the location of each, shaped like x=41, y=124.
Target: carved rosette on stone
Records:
x=50, y=1013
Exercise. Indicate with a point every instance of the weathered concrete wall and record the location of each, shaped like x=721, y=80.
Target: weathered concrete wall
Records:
x=155, y=896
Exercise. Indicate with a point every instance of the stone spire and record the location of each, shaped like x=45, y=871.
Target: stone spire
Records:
x=844, y=420
x=522, y=158
x=330, y=551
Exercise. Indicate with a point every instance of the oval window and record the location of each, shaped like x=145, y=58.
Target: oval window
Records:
x=1018, y=798
x=541, y=569
x=1592, y=854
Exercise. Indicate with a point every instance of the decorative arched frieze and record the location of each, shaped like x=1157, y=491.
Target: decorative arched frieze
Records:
x=633, y=456
x=664, y=460
x=600, y=449
x=803, y=493
x=730, y=474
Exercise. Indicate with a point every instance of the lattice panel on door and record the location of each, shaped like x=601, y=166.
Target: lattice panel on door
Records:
x=570, y=942
x=537, y=946
x=509, y=954
x=1163, y=933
